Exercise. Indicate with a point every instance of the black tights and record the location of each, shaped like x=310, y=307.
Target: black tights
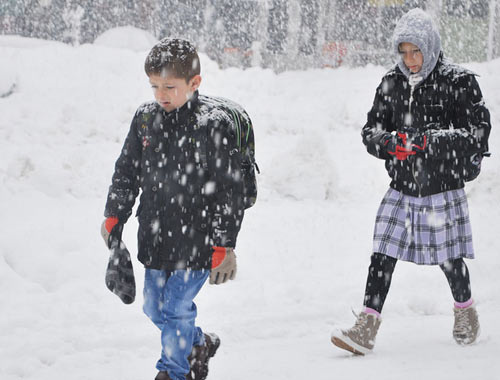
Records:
x=380, y=275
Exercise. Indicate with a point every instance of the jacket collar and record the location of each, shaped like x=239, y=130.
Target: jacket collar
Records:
x=181, y=114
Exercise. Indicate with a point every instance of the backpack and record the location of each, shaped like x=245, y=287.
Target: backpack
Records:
x=245, y=146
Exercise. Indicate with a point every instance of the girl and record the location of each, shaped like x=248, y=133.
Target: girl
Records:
x=429, y=123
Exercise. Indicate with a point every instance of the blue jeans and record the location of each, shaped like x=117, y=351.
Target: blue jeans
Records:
x=168, y=302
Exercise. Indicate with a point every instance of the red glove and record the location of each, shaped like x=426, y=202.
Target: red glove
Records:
x=110, y=222
x=418, y=143
x=218, y=256
x=223, y=265
x=402, y=153
x=111, y=229
x=396, y=146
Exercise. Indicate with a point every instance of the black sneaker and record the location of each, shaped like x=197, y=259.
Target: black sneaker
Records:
x=198, y=360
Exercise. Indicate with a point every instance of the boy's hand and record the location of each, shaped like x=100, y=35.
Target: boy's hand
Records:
x=111, y=230
x=223, y=265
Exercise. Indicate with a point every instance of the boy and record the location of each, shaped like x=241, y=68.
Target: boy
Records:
x=184, y=152
x=430, y=126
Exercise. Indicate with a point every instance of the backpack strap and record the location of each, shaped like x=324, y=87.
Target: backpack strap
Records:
x=201, y=148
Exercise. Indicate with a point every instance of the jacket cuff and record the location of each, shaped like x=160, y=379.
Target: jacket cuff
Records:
x=223, y=238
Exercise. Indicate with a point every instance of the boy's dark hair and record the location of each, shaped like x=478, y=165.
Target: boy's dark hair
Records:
x=173, y=56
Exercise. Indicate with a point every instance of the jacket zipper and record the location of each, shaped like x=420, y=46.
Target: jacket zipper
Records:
x=412, y=89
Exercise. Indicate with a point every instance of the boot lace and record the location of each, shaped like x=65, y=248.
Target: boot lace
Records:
x=361, y=322
x=462, y=323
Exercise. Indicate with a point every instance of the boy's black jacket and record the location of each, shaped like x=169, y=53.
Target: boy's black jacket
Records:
x=448, y=108
x=187, y=164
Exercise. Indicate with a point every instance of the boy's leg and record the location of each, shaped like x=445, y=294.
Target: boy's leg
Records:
x=378, y=282
x=175, y=315
x=154, y=291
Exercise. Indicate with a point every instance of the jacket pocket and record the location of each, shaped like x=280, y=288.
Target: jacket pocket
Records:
x=149, y=236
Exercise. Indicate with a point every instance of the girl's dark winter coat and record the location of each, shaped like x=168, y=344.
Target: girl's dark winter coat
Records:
x=448, y=108
x=188, y=169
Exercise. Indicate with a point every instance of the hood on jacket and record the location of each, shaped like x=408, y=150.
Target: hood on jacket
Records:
x=417, y=27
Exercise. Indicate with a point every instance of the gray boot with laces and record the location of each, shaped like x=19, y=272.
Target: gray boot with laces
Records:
x=466, y=327
x=359, y=339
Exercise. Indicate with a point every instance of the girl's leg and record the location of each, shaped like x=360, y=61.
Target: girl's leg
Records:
x=378, y=282
x=360, y=338
x=457, y=273
x=466, y=327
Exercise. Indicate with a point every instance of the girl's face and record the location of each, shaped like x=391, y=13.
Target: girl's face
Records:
x=411, y=56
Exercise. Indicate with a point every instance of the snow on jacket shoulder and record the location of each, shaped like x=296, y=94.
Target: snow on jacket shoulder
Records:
x=448, y=108
x=185, y=165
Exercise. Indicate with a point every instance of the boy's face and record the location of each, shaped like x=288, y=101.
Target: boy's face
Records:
x=172, y=92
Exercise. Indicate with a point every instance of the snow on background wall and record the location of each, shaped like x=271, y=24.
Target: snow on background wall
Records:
x=280, y=34
x=303, y=250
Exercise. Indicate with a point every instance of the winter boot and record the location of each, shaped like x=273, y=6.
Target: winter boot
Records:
x=466, y=327
x=162, y=375
x=359, y=339
x=198, y=360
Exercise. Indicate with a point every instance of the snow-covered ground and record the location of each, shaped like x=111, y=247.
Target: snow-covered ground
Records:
x=303, y=251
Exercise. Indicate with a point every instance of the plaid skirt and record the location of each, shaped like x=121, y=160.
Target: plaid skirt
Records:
x=427, y=230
